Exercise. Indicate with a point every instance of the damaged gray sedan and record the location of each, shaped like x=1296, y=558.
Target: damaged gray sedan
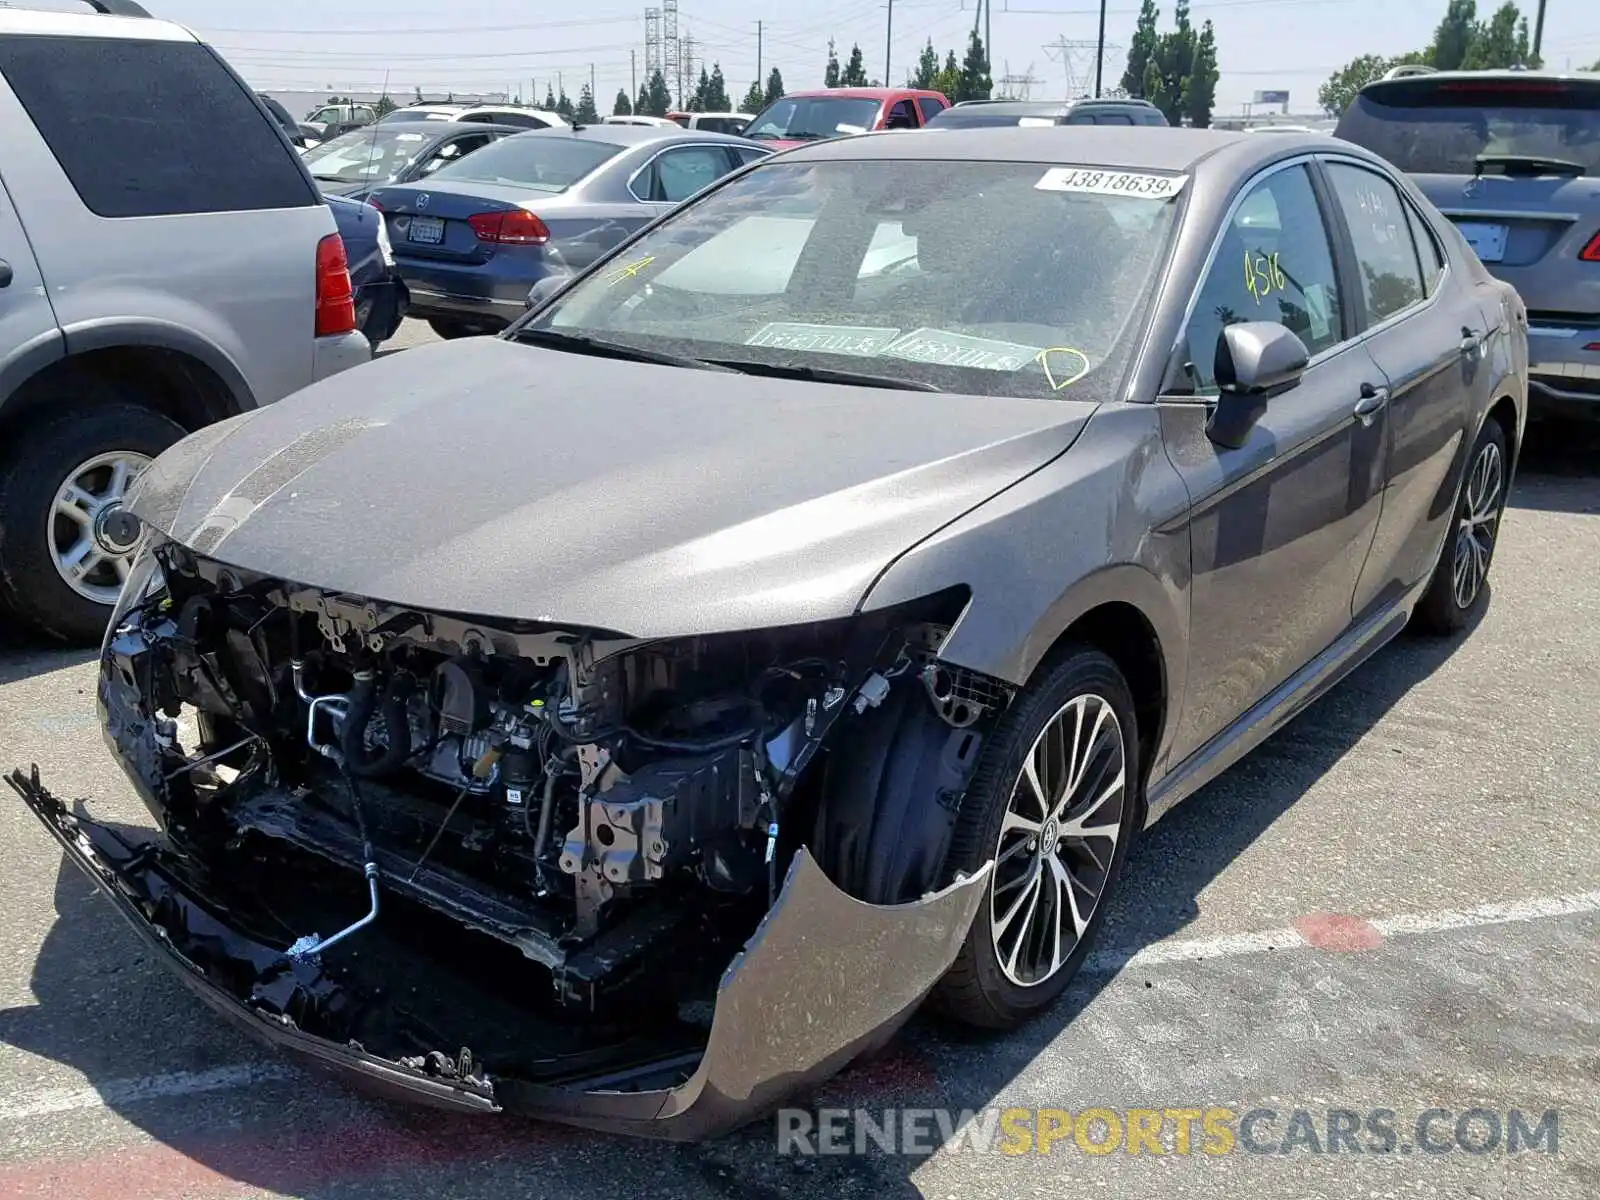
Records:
x=632, y=719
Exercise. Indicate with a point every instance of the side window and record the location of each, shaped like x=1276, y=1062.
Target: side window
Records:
x=1391, y=278
x=902, y=116
x=109, y=109
x=746, y=155
x=930, y=108
x=679, y=174
x=1427, y=251
x=1274, y=263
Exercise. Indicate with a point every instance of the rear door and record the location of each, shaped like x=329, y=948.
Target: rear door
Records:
x=28, y=333
x=1425, y=330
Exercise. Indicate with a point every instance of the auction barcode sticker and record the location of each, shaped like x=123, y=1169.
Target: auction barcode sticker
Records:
x=1111, y=183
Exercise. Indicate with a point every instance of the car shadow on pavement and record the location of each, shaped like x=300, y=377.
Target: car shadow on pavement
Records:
x=24, y=654
x=94, y=985
x=1559, y=467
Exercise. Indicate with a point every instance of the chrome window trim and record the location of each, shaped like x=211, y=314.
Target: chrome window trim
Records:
x=668, y=149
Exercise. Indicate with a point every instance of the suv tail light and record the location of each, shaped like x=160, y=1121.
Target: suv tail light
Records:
x=1591, y=252
x=516, y=226
x=336, y=300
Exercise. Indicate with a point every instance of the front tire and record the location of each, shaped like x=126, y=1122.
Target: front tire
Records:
x=1460, y=587
x=1055, y=804
x=60, y=476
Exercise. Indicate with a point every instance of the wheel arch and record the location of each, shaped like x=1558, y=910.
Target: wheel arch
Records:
x=179, y=374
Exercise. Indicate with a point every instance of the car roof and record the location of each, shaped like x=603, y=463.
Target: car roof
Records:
x=636, y=135
x=1157, y=148
x=439, y=129
x=1498, y=74
x=120, y=19
x=856, y=93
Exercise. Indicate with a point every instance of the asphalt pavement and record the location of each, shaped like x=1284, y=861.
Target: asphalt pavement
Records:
x=1393, y=906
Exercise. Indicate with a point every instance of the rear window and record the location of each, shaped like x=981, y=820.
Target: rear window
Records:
x=545, y=164
x=143, y=128
x=1426, y=127
x=978, y=118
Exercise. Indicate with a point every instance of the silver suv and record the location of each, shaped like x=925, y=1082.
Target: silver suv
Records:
x=165, y=261
x=1513, y=158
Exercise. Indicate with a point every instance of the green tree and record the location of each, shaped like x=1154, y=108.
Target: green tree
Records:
x=384, y=106
x=1141, y=50
x=622, y=106
x=564, y=105
x=657, y=99
x=927, y=67
x=948, y=81
x=1340, y=88
x=1167, y=82
x=717, y=91
x=549, y=98
x=1200, y=92
x=830, y=73
x=1453, y=37
x=418, y=90
x=855, y=71
x=697, y=102
x=975, y=81
x=754, y=101
x=1501, y=42
x=774, y=87
x=584, y=113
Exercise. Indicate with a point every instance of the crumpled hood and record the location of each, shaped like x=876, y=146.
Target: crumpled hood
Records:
x=505, y=480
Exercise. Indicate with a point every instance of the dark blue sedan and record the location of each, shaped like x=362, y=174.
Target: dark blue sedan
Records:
x=476, y=235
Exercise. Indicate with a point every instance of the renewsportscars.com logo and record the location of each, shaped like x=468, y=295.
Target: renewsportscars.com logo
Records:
x=1211, y=1130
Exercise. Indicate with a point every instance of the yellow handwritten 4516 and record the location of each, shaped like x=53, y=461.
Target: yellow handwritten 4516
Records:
x=1262, y=274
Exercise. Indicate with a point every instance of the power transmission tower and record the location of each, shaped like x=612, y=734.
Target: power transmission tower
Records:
x=1077, y=58
x=691, y=77
x=653, y=60
x=1017, y=87
x=671, y=47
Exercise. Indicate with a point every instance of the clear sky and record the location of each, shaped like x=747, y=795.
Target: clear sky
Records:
x=310, y=45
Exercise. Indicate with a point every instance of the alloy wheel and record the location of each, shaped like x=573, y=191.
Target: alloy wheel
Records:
x=1479, y=522
x=1058, y=840
x=88, y=561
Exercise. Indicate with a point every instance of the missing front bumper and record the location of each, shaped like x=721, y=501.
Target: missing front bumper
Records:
x=824, y=978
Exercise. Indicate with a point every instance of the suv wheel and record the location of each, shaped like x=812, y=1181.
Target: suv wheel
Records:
x=59, y=571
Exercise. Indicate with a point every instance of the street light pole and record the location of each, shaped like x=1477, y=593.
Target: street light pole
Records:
x=1100, y=51
x=1538, y=29
x=888, y=41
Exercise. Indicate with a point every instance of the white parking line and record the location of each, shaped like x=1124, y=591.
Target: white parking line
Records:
x=1233, y=945
x=119, y=1092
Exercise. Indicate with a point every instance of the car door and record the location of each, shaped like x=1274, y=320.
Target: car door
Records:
x=1281, y=525
x=29, y=335
x=1427, y=336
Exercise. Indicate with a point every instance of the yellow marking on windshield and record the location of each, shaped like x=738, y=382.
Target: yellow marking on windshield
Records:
x=631, y=271
x=1043, y=359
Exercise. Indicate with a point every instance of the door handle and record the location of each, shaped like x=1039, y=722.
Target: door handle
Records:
x=1371, y=403
x=5, y=273
x=1472, y=343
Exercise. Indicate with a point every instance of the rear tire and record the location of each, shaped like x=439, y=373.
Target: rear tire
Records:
x=1055, y=804
x=451, y=329
x=1460, y=587
x=101, y=448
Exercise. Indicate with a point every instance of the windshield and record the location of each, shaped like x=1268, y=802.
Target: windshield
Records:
x=532, y=160
x=807, y=118
x=1429, y=128
x=976, y=277
x=373, y=154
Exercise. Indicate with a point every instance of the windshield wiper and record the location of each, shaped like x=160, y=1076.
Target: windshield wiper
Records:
x=824, y=375
x=582, y=343
x=1528, y=164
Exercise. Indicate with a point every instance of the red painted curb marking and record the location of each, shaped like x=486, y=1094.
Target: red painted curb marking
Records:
x=1338, y=932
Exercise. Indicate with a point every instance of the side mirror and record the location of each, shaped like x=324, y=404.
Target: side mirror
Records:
x=1255, y=361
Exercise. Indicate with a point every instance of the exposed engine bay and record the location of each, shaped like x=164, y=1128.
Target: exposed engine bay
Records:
x=435, y=829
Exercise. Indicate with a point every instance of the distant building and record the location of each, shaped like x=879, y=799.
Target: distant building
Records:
x=302, y=104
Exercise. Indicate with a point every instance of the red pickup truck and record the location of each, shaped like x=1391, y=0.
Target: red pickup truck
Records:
x=799, y=117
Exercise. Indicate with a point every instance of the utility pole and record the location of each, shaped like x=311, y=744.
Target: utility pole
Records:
x=988, y=37
x=758, y=52
x=592, y=99
x=1100, y=49
x=561, y=87
x=888, y=42
x=633, y=75
x=1538, y=29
